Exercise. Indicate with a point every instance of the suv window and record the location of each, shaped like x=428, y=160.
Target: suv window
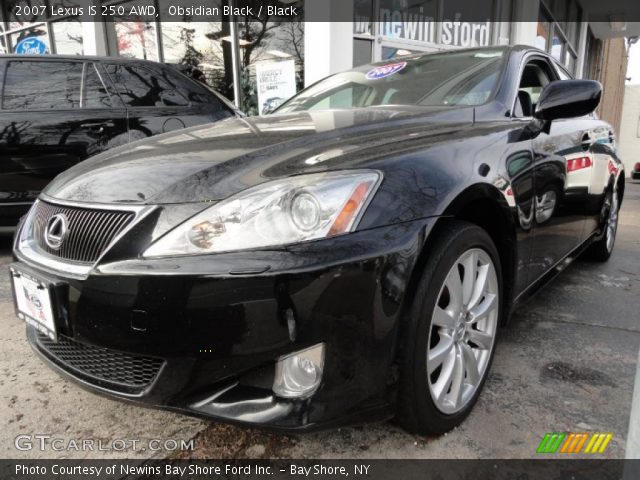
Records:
x=139, y=87
x=535, y=76
x=562, y=73
x=34, y=85
x=96, y=94
x=194, y=92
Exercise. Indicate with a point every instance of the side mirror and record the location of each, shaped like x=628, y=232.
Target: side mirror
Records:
x=568, y=99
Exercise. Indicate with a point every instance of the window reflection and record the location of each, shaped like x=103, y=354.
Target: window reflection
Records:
x=557, y=47
x=136, y=39
x=464, y=78
x=363, y=17
x=52, y=85
x=96, y=94
x=262, y=42
x=15, y=22
x=199, y=45
x=542, y=36
x=38, y=32
x=138, y=87
x=68, y=37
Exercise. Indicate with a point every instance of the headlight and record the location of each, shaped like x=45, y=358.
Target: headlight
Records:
x=281, y=212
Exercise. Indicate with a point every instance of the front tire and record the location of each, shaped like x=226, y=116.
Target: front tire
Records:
x=449, y=338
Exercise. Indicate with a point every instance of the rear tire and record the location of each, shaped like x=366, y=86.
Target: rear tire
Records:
x=601, y=250
x=449, y=336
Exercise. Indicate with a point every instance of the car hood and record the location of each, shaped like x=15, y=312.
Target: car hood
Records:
x=211, y=162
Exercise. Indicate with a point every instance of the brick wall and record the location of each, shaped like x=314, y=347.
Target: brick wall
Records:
x=609, y=67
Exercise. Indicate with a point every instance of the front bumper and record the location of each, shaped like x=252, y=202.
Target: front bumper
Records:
x=198, y=339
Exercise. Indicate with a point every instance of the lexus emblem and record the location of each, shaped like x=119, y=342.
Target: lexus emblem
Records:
x=56, y=231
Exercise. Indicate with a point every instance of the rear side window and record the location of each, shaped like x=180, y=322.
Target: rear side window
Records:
x=194, y=92
x=96, y=94
x=562, y=73
x=138, y=87
x=43, y=85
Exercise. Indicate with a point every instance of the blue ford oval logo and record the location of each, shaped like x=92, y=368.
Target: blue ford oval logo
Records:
x=31, y=46
x=385, y=70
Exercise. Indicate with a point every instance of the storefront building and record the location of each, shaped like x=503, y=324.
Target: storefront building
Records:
x=257, y=64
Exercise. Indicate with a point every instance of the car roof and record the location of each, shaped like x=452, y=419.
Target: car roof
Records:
x=93, y=58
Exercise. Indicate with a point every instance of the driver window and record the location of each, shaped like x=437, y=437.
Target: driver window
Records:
x=535, y=77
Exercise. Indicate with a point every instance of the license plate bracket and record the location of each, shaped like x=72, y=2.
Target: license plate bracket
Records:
x=34, y=300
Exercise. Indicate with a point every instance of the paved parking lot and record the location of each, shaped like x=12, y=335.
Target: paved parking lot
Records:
x=567, y=362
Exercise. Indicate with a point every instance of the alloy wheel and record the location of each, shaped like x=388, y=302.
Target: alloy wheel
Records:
x=463, y=330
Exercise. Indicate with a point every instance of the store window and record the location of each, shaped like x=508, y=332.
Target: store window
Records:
x=543, y=31
x=26, y=18
x=204, y=46
x=271, y=62
x=363, y=17
x=558, y=46
x=32, y=40
x=35, y=32
x=52, y=85
x=559, y=30
x=361, y=52
x=67, y=35
x=136, y=39
x=270, y=52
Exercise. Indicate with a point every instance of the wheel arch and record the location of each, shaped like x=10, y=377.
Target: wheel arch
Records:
x=485, y=206
x=620, y=187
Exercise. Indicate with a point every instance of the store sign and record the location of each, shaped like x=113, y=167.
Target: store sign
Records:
x=31, y=46
x=276, y=82
x=420, y=27
x=415, y=26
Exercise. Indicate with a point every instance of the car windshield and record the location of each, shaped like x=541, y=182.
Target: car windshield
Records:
x=443, y=79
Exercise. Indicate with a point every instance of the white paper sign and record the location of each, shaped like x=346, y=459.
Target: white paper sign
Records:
x=276, y=82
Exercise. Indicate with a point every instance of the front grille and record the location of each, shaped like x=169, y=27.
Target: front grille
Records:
x=117, y=371
x=90, y=230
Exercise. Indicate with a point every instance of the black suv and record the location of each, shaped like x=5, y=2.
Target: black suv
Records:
x=56, y=111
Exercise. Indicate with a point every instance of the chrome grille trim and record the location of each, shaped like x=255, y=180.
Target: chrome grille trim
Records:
x=91, y=230
x=28, y=251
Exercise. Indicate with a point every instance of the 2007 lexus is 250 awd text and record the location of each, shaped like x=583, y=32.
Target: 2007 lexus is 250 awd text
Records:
x=350, y=257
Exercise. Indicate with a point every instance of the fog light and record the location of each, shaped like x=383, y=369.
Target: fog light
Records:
x=298, y=375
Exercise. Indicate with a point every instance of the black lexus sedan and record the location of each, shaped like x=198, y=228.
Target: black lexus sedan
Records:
x=56, y=111
x=350, y=257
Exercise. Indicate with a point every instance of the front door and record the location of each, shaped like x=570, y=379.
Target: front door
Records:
x=560, y=188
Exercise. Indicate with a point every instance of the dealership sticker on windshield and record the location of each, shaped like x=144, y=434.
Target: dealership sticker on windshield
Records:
x=385, y=70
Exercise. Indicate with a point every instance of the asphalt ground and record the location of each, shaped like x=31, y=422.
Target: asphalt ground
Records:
x=566, y=363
